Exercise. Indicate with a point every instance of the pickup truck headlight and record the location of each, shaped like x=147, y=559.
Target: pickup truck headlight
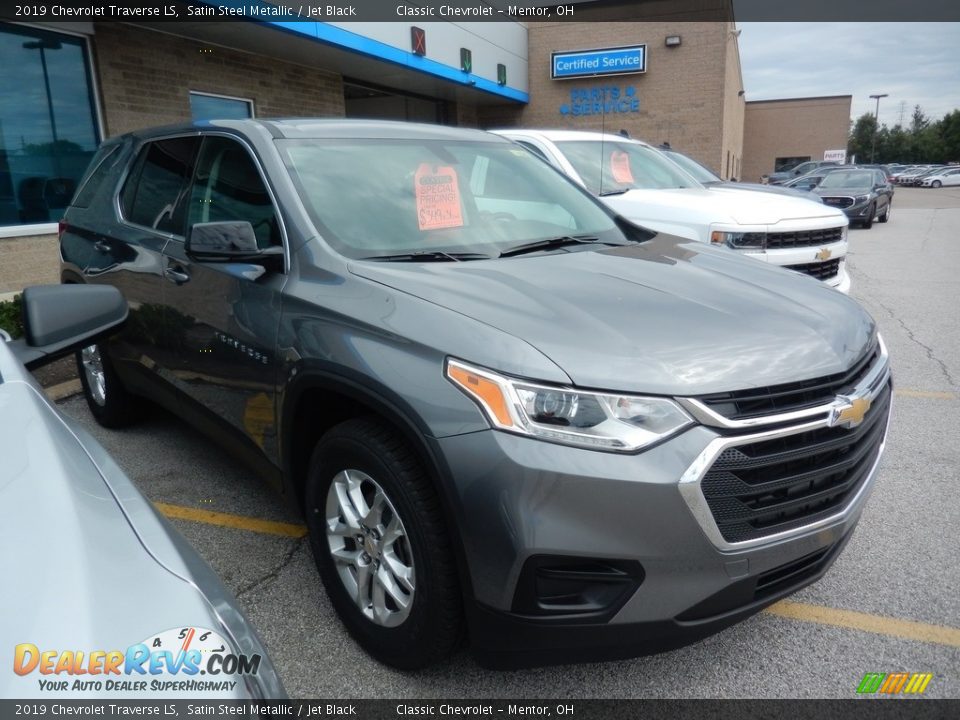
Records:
x=600, y=421
x=739, y=240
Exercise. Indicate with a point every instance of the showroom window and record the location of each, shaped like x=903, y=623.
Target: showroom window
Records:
x=48, y=126
x=204, y=106
x=788, y=163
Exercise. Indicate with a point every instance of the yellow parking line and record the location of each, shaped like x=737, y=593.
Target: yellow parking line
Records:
x=926, y=394
x=241, y=522
x=892, y=627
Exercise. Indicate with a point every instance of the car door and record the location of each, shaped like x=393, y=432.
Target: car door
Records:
x=228, y=312
x=952, y=178
x=127, y=252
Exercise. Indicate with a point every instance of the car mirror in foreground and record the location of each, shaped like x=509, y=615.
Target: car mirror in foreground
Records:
x=58, y=319
x=230, y=242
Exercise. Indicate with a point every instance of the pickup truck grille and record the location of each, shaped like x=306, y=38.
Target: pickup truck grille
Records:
x=819, y=270
x=770, y=486
x=776, y=399
x=804, y=238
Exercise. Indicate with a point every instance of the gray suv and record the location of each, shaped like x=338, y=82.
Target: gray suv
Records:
x=507, y=414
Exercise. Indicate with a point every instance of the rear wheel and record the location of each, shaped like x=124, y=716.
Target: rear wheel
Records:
x=109, y=402
x=381, y=546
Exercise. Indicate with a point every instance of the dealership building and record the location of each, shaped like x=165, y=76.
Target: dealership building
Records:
x=77, y=83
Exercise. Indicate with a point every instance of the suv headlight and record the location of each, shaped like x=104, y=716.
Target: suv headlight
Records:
x=861, y=198
x=739, y=240
x=622, y=423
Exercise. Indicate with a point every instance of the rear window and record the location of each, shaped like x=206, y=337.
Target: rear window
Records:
x=103, y=162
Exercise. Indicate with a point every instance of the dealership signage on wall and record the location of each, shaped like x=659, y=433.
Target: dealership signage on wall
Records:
x=604, y=100
x=604, y=61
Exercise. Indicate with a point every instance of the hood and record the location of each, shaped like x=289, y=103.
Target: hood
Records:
x=666, y=316
x=81, y=578
x=707, y=206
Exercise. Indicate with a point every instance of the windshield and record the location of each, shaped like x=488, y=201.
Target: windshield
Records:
x=611, y=166
x=372, y=197
x=698, y=171
x=859, y=179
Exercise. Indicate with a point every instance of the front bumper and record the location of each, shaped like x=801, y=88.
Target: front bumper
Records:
x=518, y=501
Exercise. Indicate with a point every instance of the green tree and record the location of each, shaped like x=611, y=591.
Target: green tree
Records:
x=861, y=137
x=949, y=131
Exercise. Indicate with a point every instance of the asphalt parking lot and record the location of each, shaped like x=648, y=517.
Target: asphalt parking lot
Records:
x=889, y=604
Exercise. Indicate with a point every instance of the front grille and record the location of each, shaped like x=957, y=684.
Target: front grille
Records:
x=804, y=238
x=772, y=486
x=838, y=202
x=776, y=399
x=819, y=270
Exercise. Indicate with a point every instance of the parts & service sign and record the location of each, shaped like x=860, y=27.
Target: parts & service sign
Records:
x=179, y=661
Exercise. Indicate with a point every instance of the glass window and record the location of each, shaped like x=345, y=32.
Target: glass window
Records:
x=533, y=148
x=852, y=179
x=215, y=107
x=382, y=197
x=103, y=162
x=782, y=164
x=48, y=131
x=698, y=171
x=228, y=187
x=153, y=194
x=613, y=166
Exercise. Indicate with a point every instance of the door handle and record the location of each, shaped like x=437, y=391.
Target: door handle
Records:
x=101, y=246
x=176, y=275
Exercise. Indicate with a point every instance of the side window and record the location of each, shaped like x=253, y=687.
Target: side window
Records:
x=227, y=186
x=153, y=195
x=101, y=165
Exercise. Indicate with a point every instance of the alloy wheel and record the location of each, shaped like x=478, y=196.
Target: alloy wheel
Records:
x=93, y=369
x=370, y=548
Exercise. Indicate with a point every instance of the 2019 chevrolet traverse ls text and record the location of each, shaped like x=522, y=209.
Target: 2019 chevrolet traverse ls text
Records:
x=507, y=413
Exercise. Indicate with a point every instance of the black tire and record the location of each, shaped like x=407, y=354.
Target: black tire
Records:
x=936, y=184
x=433, y=627
x=117, y=407
x=868, y=222
x=886, y=213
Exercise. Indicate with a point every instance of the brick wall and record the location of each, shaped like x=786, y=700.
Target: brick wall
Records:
x=803, y=127
x=145, y=78
x=28, y=260
x=682, y=94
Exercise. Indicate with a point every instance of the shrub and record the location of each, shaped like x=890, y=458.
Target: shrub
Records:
x=11, y=316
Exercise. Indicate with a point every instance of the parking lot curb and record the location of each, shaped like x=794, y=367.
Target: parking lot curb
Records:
x=63, y=390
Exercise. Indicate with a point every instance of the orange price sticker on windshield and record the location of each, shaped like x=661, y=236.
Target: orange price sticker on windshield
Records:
x=620, y=167
x=438, y=197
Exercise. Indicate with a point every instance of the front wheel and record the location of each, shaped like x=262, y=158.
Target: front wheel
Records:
x=886, y=213
x=109, y=402
x=381, y=545
x=936, y=184
x=871, y=214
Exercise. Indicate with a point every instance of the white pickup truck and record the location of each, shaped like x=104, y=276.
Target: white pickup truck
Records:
x=642, y=184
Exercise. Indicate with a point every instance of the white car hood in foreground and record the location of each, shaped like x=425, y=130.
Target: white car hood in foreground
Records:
x=701, y=206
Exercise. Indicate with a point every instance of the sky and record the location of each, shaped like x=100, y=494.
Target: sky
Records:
x=914, y=63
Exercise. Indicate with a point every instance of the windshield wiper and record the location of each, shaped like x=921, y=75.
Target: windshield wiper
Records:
x=555, y=242
x=429, y=256
x=608, y=193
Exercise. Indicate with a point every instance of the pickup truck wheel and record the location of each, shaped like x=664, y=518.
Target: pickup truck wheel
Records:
x=109, y=402
x=886, y=213
x=381, y=546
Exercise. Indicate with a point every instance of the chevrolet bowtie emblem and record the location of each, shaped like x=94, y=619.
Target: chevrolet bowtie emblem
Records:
x=824, y=254
x=848, y=412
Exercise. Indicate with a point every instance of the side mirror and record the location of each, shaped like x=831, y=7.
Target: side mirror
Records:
x=58, y=319
x=230, y=242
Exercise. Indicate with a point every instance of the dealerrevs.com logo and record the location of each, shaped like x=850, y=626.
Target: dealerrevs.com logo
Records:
x=894, y=683
x=180, y=660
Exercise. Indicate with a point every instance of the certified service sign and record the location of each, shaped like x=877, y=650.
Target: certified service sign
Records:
x=591, y=63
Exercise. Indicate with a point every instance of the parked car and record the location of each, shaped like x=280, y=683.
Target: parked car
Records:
x=709, y=179
x=864, y=195
x=809, y=181
x=948, y=176
x=88, y=564
x=640, y=183
x=504, y=410
x=780, y=177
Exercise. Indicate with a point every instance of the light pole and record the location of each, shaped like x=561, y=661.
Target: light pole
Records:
x=876, y=123
x=42, y=45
